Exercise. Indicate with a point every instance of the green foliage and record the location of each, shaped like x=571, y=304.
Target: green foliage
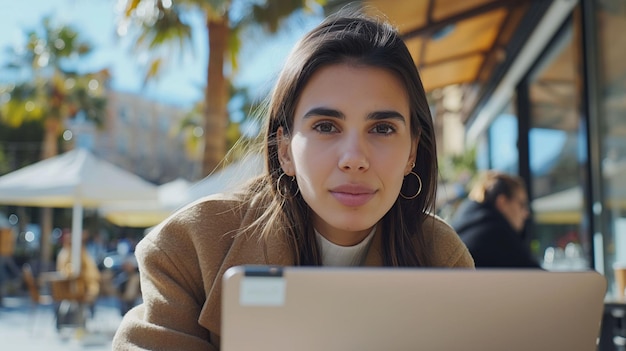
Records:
x=270, y=13
x=459, y=168
x=457, y=173
x=19, y=103
x=55, y=43
x=238, y=142
x=164, y=30
x=4, y=164
x=191, y=128
x=49, y=90
x=19, y=146
x=167, y=27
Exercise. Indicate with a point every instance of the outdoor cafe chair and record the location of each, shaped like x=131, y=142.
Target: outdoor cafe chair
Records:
x=36, y=298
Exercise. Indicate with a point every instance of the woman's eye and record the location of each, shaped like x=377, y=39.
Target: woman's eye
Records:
x=325, y=127
x=383, y=128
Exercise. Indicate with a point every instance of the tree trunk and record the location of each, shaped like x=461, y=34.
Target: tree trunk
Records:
x=216, y=96
x=49, y=149
x=50, y=146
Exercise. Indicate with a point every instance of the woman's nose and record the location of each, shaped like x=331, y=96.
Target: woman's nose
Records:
x=353, y=154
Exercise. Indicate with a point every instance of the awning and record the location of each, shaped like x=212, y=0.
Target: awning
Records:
x=452, y=41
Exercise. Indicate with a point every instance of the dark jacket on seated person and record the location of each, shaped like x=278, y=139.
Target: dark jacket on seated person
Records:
x=490, y=238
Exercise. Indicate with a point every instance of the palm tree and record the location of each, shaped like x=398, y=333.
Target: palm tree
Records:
x=163, y=27
x=44, y=90
x=190, y=127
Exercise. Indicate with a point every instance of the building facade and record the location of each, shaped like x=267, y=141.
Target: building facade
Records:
x=142, y=136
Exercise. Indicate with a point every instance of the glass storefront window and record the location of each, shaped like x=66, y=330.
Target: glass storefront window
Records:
x=503, y=151
x=611, y=19
x=557, y=233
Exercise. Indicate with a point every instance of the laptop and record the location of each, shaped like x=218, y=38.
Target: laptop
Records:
x=312, y=308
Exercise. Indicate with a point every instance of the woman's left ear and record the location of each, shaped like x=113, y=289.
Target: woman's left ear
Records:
x=284, y=154
x=412, y=157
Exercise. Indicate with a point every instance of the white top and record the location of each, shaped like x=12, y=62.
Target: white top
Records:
x=336, y=255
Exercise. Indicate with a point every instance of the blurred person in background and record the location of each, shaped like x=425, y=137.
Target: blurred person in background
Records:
x=8, y=268
x=128, y=285
x=88, y=278
x=96, y=247
x=491, y=222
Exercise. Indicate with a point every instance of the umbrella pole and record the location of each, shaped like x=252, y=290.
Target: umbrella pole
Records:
x=77, y=236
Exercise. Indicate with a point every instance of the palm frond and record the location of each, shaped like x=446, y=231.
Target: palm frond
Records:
x=154, y=68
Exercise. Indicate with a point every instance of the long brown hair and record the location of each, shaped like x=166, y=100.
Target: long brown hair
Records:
x=347, y=36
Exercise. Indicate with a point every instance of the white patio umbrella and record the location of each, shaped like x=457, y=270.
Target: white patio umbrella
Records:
x=177, y=193
x=227, y=178
x=75, y=179
x=171, y=196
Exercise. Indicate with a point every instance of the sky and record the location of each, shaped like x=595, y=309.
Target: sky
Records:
x=181, y=84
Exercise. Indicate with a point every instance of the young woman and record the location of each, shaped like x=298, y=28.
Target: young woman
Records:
x=351, y=179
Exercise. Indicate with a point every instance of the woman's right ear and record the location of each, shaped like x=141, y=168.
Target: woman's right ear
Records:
x=284, y=152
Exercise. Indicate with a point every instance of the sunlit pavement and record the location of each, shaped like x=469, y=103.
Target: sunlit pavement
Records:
x=25, y=328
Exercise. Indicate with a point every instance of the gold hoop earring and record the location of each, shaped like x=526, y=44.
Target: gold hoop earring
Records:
x=280, y=193
x=419, y=189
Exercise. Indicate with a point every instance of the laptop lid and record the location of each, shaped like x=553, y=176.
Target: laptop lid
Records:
x=298, y=308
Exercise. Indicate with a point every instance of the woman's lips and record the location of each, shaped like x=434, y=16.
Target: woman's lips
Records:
x=352, y=195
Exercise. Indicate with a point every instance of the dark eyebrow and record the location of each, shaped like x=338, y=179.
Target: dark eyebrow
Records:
x=377, y=115
x=381, y=115
x=321, y=111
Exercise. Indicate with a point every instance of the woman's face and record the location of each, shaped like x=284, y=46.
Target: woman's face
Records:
x=515, y=209
x=350, y=148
